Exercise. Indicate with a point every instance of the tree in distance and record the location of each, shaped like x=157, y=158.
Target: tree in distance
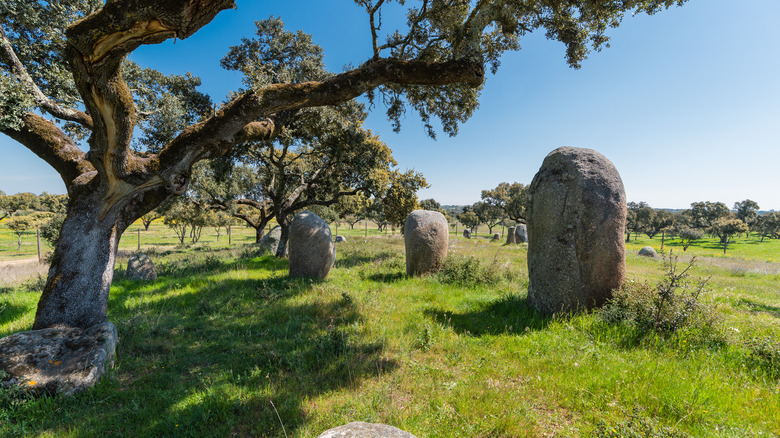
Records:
x=727, y=229
x=66, y=60
x=768, y=225
x=747, y=211
x=511, y=198
x=469, y=219
x=400, y=197
x=688, y=235
x=702, y=215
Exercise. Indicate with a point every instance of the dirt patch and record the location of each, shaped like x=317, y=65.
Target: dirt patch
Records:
x=13, y=272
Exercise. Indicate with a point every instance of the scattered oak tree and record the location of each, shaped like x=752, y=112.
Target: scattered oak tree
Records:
x=747, y=211
x=726, y=229
x=65, y=60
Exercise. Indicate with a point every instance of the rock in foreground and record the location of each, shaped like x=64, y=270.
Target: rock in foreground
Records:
x=58, y=361
x=358, y=429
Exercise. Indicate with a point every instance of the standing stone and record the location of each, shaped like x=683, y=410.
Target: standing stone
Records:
x=311, y=247
x=521, y=233
x=58, y=360
x=426, y=236
x=340, y=239
x=467, y=234
x=269, y=243
x=510, y=235
x=576, y=223
x=140, y=267
x=359, y=429
x=647, y=251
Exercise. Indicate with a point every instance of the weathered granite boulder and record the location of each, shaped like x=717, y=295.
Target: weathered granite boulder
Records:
x=358, y=429
x=311, y=247
x=140, y=267
x=521, y=234
x=576, y=219
x=269, y=243
x=426, y=236
x=510, y=235
x=340, y=239
x=58, y=360
x=647, y=251
x=496, y=236
x=467, y=234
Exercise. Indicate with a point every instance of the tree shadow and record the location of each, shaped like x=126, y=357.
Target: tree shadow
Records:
x=756, y=307
x=509, y=314
x=353, y=258
x=11, y=312
x=232, y=357
x=387, y=277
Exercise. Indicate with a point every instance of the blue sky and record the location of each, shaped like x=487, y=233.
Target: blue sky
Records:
x=685, y=103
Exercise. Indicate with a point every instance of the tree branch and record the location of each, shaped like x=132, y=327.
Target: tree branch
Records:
x=8, y=55
x=47, y=141
x=218, y=134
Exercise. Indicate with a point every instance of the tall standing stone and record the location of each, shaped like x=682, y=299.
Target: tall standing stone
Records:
x=521, y=233
x=510, y=235
x=576, y=220
x=270, y=241
x=426, y=236
x=311, y=248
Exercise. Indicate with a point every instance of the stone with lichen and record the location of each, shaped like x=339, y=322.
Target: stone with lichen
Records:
x=58, y=360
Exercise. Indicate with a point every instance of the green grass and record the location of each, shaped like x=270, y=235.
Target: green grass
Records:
x=220, y=344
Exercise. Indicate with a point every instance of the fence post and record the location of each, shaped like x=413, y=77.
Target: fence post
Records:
x=365, y=225
x=38, y=237
x=230, y=236
x=138, y=232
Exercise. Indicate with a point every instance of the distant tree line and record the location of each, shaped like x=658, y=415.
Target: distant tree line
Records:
x=703, y=218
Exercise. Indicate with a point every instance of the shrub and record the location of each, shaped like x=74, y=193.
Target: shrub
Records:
x=471, y=271
x=765, y=354
x=636, y=425
x=50, y=230
x=665, y=308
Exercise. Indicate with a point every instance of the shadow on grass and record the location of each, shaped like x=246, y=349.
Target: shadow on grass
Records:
x=510, y=314
x=10, y=312
x=756, y=307
x=358, y=258
x=387, y=277
x=219, y=359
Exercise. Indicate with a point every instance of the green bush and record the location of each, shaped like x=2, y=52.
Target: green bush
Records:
x=765, y=354
x=665, y=308
x=472, y=271
x=637, y=425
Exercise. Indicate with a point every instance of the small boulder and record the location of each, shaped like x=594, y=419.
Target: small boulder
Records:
x=426, y=237
x=269, y=243
x=340, y=239
x=510, y=235
x=311, y=247
x=58, y=360
x=467, y=234
x=359, y=429
x=521, y=234
x=140, y=267
x=496, y=236
x=647, y=251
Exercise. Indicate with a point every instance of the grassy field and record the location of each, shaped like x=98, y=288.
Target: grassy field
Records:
x=224, y=344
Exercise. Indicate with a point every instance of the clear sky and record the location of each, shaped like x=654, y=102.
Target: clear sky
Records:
x=685, y=103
